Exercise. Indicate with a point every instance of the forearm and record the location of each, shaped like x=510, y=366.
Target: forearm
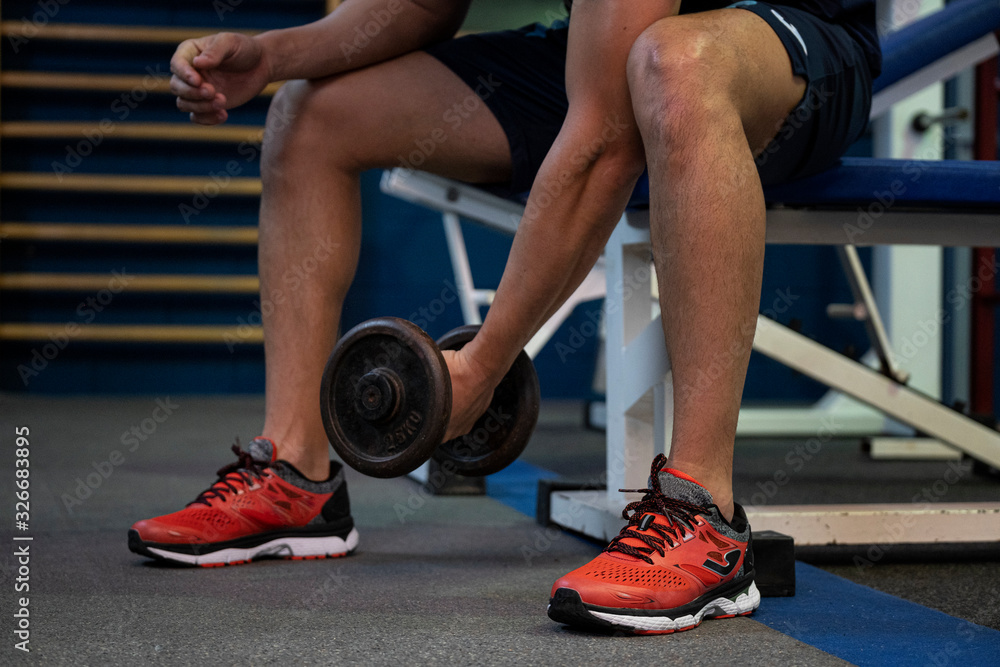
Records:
x=583, y=185
x=359, y=33
x=559, y=239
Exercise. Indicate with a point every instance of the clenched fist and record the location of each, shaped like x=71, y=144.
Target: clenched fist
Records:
x=215, y=73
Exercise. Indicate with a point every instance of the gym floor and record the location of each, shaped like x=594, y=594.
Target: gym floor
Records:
x=437, y=580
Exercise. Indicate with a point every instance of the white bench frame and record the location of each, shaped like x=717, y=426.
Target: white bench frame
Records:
x=640, y=396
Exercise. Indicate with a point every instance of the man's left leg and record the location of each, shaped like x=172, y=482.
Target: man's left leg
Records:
x=709, y=91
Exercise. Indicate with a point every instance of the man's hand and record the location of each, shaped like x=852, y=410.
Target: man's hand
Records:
x=471, y=392
x=215, y=73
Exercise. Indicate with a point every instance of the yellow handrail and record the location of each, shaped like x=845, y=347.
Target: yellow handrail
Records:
x=134, y=333
x=180, y=185
x=181, y=131
x=92, y=282
x=115, y=83
x=106, y=33
x=62, y=231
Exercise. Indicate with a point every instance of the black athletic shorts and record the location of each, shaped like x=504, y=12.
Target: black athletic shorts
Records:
x=520, y=76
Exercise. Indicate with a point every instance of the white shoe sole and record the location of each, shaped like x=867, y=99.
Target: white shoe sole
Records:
x=719, y=607
x=285, y=547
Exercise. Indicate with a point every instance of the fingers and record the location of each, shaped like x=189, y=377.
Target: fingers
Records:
x=199, y=104
x=210, y=118
x=204, y=53
x=195, y=95
x=214, y=50
x=184, y=90
x=205, y=112
x=471, y=393
x=180, y=63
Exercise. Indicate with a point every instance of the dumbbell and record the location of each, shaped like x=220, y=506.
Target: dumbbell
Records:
x=386, y=397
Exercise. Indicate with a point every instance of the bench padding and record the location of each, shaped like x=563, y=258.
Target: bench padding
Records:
x=926, y=41
x=913, y=184
x=863, y=182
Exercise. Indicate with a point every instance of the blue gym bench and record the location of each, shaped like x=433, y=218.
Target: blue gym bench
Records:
x=859, y=202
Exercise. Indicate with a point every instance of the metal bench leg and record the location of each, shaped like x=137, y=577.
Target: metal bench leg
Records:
x=469, y=297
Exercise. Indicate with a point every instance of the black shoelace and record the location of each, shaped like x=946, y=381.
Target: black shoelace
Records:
x=245, y=469
x=680, y=517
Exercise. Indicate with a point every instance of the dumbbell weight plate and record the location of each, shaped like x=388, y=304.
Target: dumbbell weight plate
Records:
x=385, y=397
x=502, y=433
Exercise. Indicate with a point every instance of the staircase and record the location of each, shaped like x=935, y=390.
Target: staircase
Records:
x=127, y=235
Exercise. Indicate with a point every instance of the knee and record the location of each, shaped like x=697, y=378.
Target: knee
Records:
x=304, y=116
x=288, y=119
x=679, y=76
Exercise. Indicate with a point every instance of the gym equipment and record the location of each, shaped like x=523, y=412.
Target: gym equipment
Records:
x=502, y=433
x=385, y=402
x=385, y=398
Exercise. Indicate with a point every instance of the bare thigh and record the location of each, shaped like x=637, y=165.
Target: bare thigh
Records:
x=399, y=112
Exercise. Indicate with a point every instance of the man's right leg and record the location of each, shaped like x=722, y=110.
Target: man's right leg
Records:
x=320, y=137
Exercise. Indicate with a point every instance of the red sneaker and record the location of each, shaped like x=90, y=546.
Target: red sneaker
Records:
x=675, y=563
x=260, y=506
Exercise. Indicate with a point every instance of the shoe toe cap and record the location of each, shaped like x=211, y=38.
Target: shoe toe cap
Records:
x=627, y=585
x=610, y=594
x=154, y=530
